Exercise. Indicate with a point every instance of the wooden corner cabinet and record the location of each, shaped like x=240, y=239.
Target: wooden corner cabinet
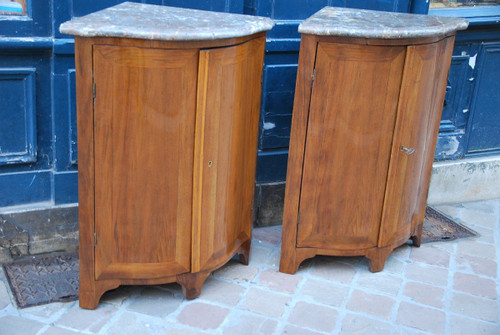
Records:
x=167, y=140
x=368, y=99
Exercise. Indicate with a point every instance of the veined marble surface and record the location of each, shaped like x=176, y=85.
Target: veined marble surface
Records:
x=134, y=20
x=334, y=21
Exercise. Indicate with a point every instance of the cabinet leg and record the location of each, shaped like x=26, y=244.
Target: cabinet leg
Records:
x=244, y=252
x=416, y=238
x=376, y=258
x=90, y=299
x=191, y=283
x=290, y=262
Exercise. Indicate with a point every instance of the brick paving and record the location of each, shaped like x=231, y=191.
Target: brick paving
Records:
x=441, y=288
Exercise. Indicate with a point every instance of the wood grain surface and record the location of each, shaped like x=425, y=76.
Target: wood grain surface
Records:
x=349, y=136
x=167, y=152
x=361, y=148
x=226, y=151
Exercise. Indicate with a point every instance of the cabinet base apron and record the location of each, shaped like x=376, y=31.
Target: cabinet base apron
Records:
x=292, y=258
x=191, y=283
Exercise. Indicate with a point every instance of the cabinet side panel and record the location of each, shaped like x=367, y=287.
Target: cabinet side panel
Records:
x=144, y=147
x=443, y=66
x=411, y=145
x=228, y=159
x=348, y=144
x=307, y=55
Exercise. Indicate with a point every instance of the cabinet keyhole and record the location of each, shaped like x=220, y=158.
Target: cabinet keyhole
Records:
x=209, y=163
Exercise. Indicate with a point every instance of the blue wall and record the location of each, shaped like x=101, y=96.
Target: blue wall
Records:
x=38, y=140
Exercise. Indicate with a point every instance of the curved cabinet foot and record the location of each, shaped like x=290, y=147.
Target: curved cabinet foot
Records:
x=191, y=283
x=416, y=237
x=90, y=299
x=376, y=258
x=290, y=264
x=244, y=252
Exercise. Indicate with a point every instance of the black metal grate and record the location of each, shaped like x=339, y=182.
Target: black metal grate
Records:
x=439, y=227
x=43, y=279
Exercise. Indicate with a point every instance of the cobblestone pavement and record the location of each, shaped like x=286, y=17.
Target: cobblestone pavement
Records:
x=440, y=288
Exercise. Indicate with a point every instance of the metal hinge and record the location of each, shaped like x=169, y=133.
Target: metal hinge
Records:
x=93, y=93
x=95, y=239
x=314, y=75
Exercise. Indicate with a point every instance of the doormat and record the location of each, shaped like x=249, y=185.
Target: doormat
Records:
x=43, y=279
x=439, y=227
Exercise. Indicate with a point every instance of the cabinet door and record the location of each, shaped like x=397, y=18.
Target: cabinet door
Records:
x=226, y=130
x=144, y=117
x=419, y=110
x=348, y=145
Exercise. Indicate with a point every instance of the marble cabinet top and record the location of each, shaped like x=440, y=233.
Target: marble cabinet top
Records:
x=334, y=21
x=134, y=20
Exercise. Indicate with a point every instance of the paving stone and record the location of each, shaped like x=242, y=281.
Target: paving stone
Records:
x=480, y=206
x=14, y=325
x=402, y=252
x=466, y=326
x=373, y=304
x=293, y=330
x=475, y=307
x=203, y=315
x=222, y=292
x=380, y=281
x=431, y=256
x=155, y=302
x=279, y=281
x=181, y=331
x=313, y=316
x=4, y=296
x=443, y=245
x=394, y=265
x=425, y=294
x=47, y=312
x=265, y=302
x=268, y=235
x=427, y=319
x=59, y=331
x=325, y=292
x=259, y=254
x=83, y=319
x=475, y=285
x=117, y=296
x=353, y=324
x=237, y=272
x=247, y=324
x=453, y=211
x=478, y=218
x=331, y=269
x=477, y=265
x=274, y=260
x=427, y=274
x=353, y=261
x=129, y=324
x=473, y=248
x=484, y=235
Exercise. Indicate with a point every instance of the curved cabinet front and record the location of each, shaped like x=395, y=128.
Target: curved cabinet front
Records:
x=364, y=129
x=168, y=142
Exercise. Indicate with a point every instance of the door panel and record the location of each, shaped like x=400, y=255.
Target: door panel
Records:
x=348, y=145
x=406, y=167
x=144, y=118
x=226, y=149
